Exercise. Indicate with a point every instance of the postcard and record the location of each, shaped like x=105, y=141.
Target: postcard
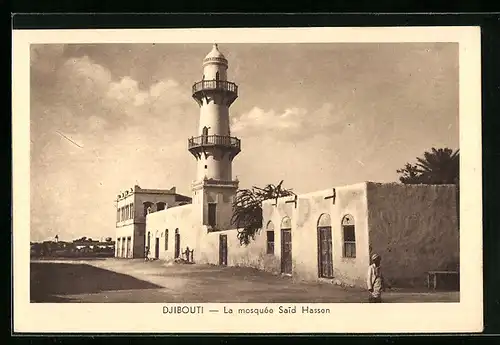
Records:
x=257, y=180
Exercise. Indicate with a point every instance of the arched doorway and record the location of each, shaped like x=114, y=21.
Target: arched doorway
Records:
x=286, y=246
x=177, y=244
x=325, y=257
x=157, y=246
x=204, y=135
x=223, y=250
x=148, y=244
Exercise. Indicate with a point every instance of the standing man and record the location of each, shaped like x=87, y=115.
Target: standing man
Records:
x=375, y=280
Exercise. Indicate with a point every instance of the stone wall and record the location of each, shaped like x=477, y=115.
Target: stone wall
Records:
x=414, y=228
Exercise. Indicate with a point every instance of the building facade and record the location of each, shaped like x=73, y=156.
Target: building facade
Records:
x=132, y=207
x=325, y=235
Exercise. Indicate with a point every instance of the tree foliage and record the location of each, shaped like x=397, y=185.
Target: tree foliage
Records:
x=437, y=166
x=247, y=209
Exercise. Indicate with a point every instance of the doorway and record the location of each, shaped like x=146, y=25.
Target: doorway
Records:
x=177, y=244
x=129, y=240
x=325, y=261
x=223, y=250
x=286, y=251
x=157, y=248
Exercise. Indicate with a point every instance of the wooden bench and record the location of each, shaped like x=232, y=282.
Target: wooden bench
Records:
x=436, y=280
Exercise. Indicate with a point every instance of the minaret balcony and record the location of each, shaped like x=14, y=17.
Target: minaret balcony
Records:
x=198, y=145
x=204, y=88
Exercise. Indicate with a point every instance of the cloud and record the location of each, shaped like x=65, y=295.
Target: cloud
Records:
x=44, y=58
x=258, y=118
x=292, y=123
x=89, y=129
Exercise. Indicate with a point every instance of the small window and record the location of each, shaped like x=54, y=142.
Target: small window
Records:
x=160, y=206
x=132, y=210
x=166, y=239
x=270, y=237
x=270, y=242
x=212, y=212
x=349, y=235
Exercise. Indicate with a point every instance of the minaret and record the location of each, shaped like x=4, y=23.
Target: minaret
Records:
x=213, y=147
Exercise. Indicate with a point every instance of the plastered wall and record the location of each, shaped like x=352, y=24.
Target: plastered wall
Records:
x=414, y=228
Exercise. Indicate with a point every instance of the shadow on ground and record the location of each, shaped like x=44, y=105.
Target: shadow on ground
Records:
x=49, y=280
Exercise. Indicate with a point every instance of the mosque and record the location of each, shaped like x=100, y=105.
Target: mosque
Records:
x=324, y=235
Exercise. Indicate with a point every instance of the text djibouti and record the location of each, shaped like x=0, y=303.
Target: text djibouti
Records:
x=197, y=309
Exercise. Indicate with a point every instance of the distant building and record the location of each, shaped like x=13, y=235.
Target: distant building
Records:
x=132, y=207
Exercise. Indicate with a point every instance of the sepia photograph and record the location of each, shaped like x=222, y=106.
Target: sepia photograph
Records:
x=301, y=175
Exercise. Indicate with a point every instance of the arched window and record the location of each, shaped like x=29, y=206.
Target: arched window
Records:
x=160, y=206
x=325, y=257
x=286, y=223
x=324, y=221
x=166, y=239
x=217, y=75
x=349, y=236
x=270, y=237
x=149, y=240
x=147, y=206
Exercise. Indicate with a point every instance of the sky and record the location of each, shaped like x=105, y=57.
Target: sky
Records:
x=105, y=117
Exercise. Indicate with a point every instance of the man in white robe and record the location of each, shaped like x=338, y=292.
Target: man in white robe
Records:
x=375, y=280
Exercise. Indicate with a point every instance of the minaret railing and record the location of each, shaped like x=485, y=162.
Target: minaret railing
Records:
x=214, y=140
x=215, y=85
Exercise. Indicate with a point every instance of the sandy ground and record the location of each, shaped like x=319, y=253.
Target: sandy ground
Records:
x=137, y=281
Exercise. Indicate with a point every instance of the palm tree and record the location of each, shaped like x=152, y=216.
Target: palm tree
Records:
x=438, y=166
x=247, y=209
